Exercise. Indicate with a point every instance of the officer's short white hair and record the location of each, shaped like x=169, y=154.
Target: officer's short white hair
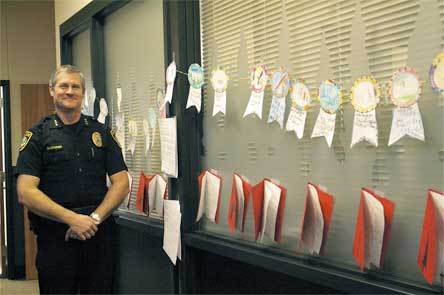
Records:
x=66, y=69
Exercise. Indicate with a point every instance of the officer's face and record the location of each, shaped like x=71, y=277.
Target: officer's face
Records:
x=67, y=92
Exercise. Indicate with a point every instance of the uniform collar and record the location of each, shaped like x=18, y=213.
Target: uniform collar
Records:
x=57, y=123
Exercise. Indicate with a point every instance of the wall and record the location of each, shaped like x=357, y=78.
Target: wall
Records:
x=64, y=9
x=27, y=55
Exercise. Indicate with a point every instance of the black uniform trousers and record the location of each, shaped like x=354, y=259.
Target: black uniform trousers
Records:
x=73, y=267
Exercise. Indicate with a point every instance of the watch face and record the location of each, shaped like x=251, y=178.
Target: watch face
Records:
x=329, y=96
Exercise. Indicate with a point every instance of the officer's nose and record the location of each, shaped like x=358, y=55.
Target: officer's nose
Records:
x=70, y=90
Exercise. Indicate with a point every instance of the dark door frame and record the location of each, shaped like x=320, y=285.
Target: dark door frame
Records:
x=14, y=220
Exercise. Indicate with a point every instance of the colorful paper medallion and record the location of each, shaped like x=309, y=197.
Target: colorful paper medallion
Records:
x=219, y=80
x=195, y=76
x=259, y=78
x=436, y=73
x=365, y=94
x=330, y=96
x=300, y=95
x=280, y=83
x=404, y=87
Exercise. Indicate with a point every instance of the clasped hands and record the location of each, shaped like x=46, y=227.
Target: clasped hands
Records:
x=82, y=227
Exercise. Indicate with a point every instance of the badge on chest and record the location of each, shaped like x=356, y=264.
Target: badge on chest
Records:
x=97, y=139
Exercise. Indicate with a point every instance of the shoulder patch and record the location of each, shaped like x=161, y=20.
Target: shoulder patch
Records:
x=113, y=134
x=25, y=140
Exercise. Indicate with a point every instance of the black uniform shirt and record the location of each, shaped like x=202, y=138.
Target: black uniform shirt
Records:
x=71, y=162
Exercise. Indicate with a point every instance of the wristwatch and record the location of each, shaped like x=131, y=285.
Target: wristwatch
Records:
x=96, y=217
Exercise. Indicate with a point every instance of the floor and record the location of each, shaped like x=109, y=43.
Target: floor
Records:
x=16, y=287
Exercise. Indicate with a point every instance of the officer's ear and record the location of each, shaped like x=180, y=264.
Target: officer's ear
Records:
x=51, y=91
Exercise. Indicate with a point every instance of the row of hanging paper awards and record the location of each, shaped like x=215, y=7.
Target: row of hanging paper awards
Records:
x=404, y=90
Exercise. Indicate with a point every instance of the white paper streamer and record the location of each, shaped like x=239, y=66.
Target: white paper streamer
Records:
x=194, y=98
x=365, y=128
x=103, y=111
x=296, y=121
x=255, y=104
x=220, y=102
x=277, y=111
x=325, y=126
x=406, y=121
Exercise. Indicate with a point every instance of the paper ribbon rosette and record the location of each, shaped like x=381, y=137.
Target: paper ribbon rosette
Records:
x=436, y=73
x=300, y=99
x=132, y=130
x=119, y=98
x=316, y=219
x=280, y=87
x=151, y=193
x=330, y=98
x=268, y=208
x=196, y=79
x=365, y=95
x=239, y=200
x=170, y=77
x=405, y=90
x=210, y=186
x=161, y=106
x=372, y=229
x=258, y=81
x=219, y=81
x=431, y=246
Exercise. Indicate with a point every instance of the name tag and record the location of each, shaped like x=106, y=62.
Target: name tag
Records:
x=54, y=147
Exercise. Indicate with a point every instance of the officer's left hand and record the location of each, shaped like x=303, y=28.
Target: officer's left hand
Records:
x=70, y=234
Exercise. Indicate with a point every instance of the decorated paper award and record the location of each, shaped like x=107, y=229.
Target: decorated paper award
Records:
x=119, y=98
x=405, y=90
x=258, y=81
x=146, y=132
x=280, y=86
x=436, y=73
x=196, y=79
x=219, y=81
x=364, y=96
x=170, y=77
x=160, y=101
x=330, y=99
x=300, y=99
x=132, y=130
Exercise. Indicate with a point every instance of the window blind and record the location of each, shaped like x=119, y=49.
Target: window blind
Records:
x=315, y=41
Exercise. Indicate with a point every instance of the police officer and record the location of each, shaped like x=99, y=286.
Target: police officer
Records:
x=62, y=168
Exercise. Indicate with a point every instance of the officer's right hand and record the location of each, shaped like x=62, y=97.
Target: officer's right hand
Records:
x=83, y=226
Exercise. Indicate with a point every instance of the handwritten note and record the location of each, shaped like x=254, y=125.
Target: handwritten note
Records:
x=374, y=229
x=194, y=98
x=296, y=121
x=272, y=195
x=325, y=126
x=171, y=234
x=168, y=146
x=277, y=111
x=365, y=128
x=406, y=121
x=255, y=104
x=220, y=102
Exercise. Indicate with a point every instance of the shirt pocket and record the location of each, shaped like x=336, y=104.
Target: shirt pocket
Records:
x=55, y=156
